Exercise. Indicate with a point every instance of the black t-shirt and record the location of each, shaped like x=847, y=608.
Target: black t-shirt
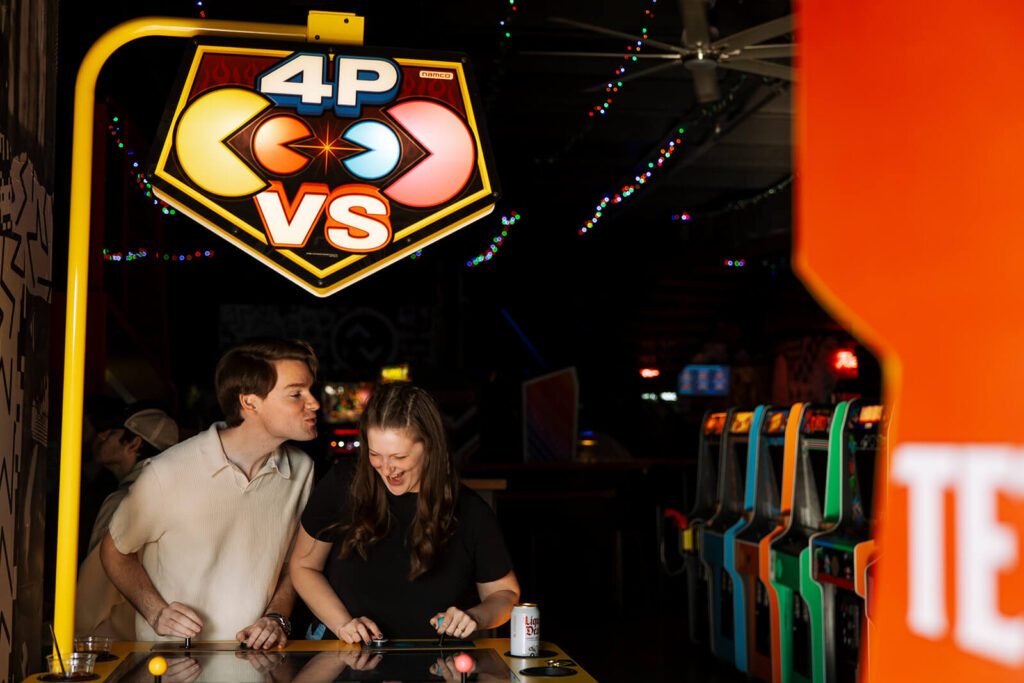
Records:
x=379, y=587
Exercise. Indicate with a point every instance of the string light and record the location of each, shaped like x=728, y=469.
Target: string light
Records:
x=114, y=129
x=738, y=204
x=505, y=24
x=630, y=58
x=665, y=152
x=199, y=6
x=144, y=254
x=736, y=263
x=497, y=242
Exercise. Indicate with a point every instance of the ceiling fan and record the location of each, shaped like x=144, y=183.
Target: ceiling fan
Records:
x=701, y=55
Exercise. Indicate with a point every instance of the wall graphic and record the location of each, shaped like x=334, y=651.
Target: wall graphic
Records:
x=28, y=68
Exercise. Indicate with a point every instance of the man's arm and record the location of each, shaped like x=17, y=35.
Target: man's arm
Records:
x=267, y=631
x=130, y=577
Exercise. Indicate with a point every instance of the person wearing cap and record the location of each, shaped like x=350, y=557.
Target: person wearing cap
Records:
x=213, y=517
x=102, y=420
x=123, y=451
x=146, y=432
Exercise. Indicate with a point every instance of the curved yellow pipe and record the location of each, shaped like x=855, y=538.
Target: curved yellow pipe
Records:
x=78, y=272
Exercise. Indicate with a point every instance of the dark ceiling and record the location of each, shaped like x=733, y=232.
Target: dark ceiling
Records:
x=640, y=287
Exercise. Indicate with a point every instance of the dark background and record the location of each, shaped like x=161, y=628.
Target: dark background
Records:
x=638, y=290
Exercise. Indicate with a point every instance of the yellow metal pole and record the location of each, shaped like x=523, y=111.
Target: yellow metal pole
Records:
x=346, y=26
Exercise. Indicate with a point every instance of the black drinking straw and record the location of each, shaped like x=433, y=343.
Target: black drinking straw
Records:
x=60, y=660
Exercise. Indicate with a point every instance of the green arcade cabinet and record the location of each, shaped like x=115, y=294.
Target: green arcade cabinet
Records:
x=800, y=610
x=836, y=562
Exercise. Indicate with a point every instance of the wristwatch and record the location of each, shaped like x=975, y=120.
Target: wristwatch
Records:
x=286, y=624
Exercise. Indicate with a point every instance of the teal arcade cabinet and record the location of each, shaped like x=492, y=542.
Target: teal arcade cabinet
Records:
x=763, y=502
x=704, y=507
x=800, y=611
x=732, y=472
x=837, y=560
x=739, y=592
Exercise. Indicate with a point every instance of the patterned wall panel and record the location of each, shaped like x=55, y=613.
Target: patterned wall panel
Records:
x=27, y=44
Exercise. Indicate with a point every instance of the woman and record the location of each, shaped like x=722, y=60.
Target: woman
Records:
x=388, y=548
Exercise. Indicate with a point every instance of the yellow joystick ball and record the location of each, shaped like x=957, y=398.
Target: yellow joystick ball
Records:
x=158, y=666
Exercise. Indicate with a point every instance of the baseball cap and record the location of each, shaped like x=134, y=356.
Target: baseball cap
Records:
x=156, y=427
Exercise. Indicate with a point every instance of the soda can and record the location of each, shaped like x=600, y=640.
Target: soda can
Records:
x=525, y=630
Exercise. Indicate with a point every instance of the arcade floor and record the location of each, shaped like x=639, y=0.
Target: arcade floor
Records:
x=659, y=652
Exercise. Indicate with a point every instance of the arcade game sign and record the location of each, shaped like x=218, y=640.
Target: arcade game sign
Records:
x=326, y=164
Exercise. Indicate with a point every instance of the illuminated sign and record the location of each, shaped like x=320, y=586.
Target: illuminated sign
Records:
x=325, y=165
x=394, y=373
x=704, y=380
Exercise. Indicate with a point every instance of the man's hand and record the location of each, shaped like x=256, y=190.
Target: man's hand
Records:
x=182, y=670
x=178, y=620
x=263, y=635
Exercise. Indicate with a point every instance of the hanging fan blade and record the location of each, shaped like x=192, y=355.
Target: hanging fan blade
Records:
x=757, y=34
x=705, y=85
x=754, y=66
x=609, y=55
x=620, y=34
x=695, y=23
x=762, y=52
x=636, y=74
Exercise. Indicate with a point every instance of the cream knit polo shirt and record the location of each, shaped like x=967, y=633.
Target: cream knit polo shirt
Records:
x=210, y=538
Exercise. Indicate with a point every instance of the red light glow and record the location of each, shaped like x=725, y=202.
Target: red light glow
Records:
x=648, y=373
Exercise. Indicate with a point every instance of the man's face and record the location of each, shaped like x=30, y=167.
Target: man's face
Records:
x=107, y=447
x=289, y=410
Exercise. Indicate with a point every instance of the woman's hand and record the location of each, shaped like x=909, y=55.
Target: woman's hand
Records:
x=454, y=622
x=359, y=630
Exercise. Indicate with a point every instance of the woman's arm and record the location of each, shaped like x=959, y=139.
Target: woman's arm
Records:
x=306, y=567
x=497, y=598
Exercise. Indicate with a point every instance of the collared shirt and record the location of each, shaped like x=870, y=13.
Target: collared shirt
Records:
x=211, y=538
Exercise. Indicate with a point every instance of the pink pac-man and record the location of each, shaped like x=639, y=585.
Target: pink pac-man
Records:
x=450, y=154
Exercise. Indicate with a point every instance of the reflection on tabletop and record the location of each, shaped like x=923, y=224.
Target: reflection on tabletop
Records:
x=242, y=666
x=264, y=666
x=330, y=666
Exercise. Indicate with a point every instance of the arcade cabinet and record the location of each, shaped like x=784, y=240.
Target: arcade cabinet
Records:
x=792, y=439
x=731, y=486
x=838, y=554
x=800, y=633
x=704, y=507
x=342, y=405
x=763, y=500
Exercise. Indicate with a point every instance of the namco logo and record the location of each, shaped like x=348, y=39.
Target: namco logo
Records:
x=978, y=477
x=442, y=75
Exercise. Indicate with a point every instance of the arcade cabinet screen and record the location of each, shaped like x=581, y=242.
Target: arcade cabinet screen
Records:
x=344, y=401
x=394, y=373
x=715, y=423
x=704, y=380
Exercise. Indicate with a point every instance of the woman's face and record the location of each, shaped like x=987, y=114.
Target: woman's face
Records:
x=397, y=458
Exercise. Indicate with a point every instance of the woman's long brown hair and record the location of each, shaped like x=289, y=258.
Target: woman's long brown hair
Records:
x=409, y=408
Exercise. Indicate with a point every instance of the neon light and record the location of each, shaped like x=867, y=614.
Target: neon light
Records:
x=648, y=373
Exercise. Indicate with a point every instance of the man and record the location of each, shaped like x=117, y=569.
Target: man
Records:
x=145, y=433
x=123, y=451
x=215, y=515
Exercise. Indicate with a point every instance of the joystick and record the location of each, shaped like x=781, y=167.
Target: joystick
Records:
x=157, y=667
x=463, y=664
x=378, y=642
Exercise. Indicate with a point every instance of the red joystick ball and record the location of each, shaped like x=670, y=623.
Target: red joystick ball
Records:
x=463, y=663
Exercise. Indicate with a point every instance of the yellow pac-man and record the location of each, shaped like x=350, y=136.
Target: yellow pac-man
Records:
x=204, y=126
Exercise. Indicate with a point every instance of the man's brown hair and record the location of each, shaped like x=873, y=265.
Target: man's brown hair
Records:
x=248, y=368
